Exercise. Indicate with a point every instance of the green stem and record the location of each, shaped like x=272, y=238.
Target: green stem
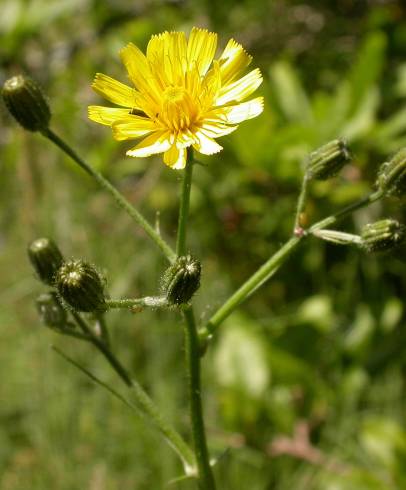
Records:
x=365, y=201
x=103, y=328
x=184, y=205
x=118, y=197
x=249, y=286
x=274, y=262
x=148, y=301
x=192, y=348
x=144, y=401
x=301, y=203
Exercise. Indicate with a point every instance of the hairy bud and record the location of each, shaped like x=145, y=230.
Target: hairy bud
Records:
x=46, y=258
x=81, y=286
x=26, y=103
x=181, y=280
x=382, y=236
x=328, y=160
x=392, y=175
x=51, y=311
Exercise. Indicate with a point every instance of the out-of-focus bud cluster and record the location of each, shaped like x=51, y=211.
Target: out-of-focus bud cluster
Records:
x=50, y=310
x=382, y=236
x=77, y=285
x=181, y=280
x=46, y=258
x=392, y=175
x=26, y=102
x=328, y=160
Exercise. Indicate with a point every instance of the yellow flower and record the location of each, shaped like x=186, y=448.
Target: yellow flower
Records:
x=182, y=97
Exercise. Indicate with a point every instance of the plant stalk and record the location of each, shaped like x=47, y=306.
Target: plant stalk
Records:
x=118, y=197
x=148, y=301
x=249, y=286
x=273, y=263
x=192, y=349
x=144, y=401
x=184, y=205
x=301, y=203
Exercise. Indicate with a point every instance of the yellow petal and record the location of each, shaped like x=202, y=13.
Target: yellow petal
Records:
x=175, y=157
x=240, y=89
x=132, y=127
x=216, y=128
x=115, y=91
x=201, y=49
x=139, y=72
x=206, y=145
x=241, y=112
x=233, y=61
x=156, y=57
x=176, y=57
x=157, y=142
x=106, y=115
x=210, y=86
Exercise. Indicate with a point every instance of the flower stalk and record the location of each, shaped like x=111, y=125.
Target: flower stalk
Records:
x=184, y=205
x=118, y=197
x=192, y=349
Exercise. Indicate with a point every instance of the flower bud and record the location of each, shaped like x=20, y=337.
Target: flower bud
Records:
x=328, y=160
x=181, y=280
x=51, y=311
x=392, y=175
x=26, y=103
x=382, y=236
x=81, y=286
x=46, y=258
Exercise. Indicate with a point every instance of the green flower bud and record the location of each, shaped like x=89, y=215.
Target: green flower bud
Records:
x=181, y=280
x=81, y=286
x=50, y=310
x=26, y=103
x=382, y=236
x=392, y=175
x=328, y=160
x=46, y=259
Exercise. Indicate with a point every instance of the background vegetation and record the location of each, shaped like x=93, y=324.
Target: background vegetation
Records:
x=306, y=383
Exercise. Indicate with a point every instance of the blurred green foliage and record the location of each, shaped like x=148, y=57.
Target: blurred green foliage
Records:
x=305, y=385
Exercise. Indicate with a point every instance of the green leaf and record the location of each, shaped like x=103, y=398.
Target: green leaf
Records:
x=240, y=358
x=368, y=68
x=289, y=93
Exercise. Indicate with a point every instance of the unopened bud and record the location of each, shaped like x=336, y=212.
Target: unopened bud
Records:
x=328, y=160
x=81, y=286
x=338, y=237
x=26, y=103
x=181, y=280
x=46, y=258
x=382, y=236
x=50, y=310
x=392, y=175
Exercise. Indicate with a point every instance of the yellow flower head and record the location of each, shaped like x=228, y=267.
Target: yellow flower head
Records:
x=182, y=97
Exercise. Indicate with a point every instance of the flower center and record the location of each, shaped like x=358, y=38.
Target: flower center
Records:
x=179, y=110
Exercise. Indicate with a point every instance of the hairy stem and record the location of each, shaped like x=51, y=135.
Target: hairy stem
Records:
x=330, y=220
x=148, y=301
x=301, y=202
x=273, y=263
x=249, y=286
x=192, y=348
x=118, y=197
x=184, y=205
